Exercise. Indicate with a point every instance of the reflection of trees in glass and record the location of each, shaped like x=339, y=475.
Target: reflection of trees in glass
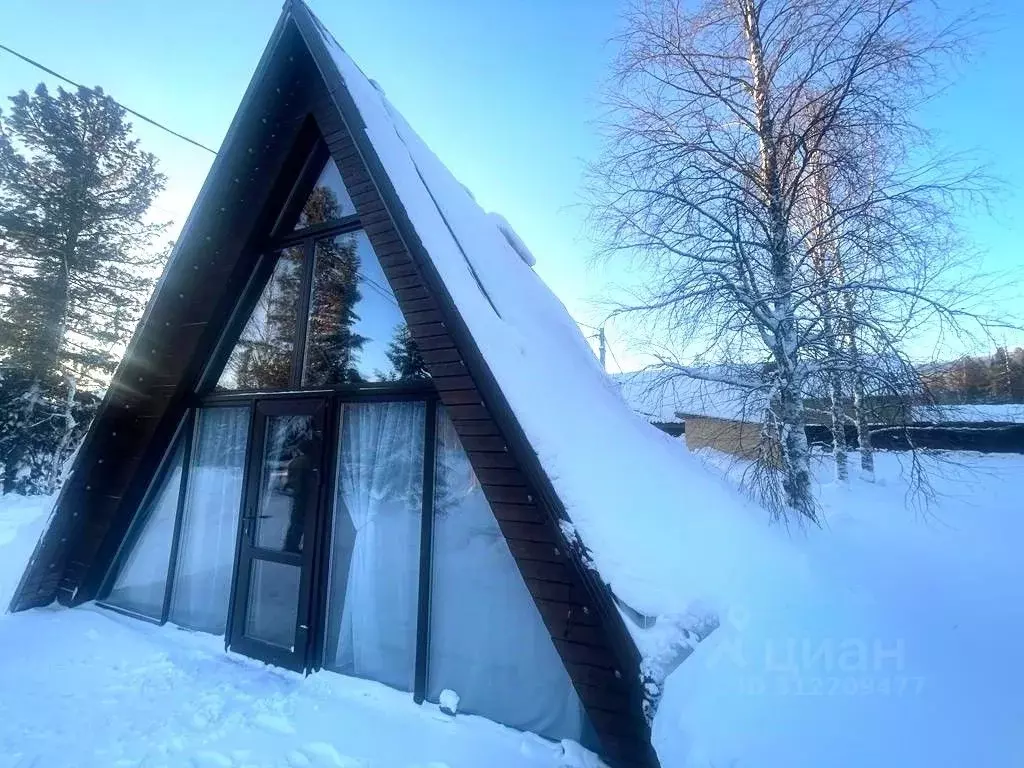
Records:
x=286, y=435
x=345, y=343
x=262, y=358
x=404, y=356
x=332, y=345
x=329, y=199
x=322, y=205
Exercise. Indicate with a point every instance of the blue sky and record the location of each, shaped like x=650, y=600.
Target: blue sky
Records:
x=505, y=93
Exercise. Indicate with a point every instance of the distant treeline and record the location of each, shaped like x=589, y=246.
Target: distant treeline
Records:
x=996, y=378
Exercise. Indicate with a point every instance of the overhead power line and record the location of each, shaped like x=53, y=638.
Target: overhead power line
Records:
x=617, y=363
x=378, y=288
x=129, y=110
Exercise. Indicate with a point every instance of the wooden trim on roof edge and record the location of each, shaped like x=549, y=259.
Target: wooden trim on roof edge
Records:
x=152, y=387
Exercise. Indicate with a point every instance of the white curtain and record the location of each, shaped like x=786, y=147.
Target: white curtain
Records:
x=375, y=551
x=206, y=554
x=488, y=642
x=141, y=581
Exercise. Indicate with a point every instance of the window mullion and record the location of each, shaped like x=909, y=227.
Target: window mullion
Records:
x=319, y=231
x=302, y=312
x=179, y=514
x=426, y=552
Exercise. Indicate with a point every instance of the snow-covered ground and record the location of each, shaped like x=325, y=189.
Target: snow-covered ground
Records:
x=887, y=638
x=87, y=687
x=898, y=645
x=21, y=521
x=91, y=688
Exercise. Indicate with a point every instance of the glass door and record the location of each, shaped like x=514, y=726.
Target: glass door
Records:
x=271, y=615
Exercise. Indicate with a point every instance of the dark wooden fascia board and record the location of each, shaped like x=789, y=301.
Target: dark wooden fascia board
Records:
x=454, y=334
x=245, y=281
x=135, y=401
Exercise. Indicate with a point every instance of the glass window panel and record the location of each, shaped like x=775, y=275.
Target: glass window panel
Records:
x=374, y=565
x=273, y=603
x=262, y=357
x=142, y=578
x=488, y=642
x=206, y=553
x=356, y=332
x=287, y=482
x=329, y=199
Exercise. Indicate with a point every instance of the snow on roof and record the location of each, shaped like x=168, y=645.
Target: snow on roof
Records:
x=513, y=239
x=976, y=412
x=635, y=495
x=665, y=396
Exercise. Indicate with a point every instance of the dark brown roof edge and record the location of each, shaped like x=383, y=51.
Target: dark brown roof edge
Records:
x=58, y=523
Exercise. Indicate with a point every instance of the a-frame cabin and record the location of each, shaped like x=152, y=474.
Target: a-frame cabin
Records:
x=310, y=446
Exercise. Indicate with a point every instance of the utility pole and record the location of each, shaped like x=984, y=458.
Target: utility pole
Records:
x=600, y=347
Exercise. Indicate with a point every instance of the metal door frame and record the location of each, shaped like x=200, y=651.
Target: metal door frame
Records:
x=296, y=658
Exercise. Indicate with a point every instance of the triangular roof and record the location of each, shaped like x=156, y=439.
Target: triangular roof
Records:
x=578, y=483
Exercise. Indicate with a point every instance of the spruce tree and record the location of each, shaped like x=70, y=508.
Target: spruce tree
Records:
x=76, y=258
x=333, y=346
x=263, y=356
x=404, y=356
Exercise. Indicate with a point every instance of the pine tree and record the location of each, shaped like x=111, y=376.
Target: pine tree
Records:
x=262, y=358
x=333, y=344
x=76, y=264
x=321, y=206
x=264, y=351
x=404, y=356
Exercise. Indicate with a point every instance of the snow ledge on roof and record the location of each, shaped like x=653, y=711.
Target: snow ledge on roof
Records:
x=671, y=539
x=513, y=239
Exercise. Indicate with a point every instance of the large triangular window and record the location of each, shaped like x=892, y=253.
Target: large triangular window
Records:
x=488, y=642
x=188, y=539
x=356, y=331
x=327, y=315
x=141, y=582
x=263, y=356
x=392, y=566
x=328, y=201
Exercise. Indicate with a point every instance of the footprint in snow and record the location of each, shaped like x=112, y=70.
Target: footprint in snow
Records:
x=275, y=723
x=324, y=754
x=212, y=760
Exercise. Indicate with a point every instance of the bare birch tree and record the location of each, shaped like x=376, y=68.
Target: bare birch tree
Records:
x=763, y=169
